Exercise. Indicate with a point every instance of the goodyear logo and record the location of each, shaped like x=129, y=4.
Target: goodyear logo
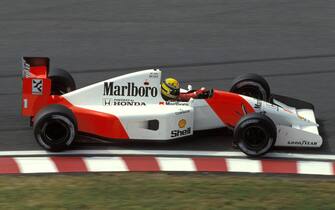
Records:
x=182, y=123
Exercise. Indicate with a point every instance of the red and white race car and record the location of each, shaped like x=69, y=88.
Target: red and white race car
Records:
x=131, y=107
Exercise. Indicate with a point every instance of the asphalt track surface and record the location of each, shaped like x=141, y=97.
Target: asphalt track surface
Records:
x=203, y=43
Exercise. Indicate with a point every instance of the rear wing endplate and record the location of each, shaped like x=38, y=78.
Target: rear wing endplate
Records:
x=29, y=62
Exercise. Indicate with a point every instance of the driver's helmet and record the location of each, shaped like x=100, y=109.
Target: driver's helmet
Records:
x=170, y=89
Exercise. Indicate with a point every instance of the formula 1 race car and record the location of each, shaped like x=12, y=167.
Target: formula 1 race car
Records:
x=131, y=107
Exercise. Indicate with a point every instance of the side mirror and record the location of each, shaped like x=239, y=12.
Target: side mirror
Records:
x=189, y=87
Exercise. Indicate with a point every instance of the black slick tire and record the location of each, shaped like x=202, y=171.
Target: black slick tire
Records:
x=255, y=134
x=252, y=85
x=55, y=128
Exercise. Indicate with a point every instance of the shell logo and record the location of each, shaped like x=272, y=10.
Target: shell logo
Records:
x=182, y=123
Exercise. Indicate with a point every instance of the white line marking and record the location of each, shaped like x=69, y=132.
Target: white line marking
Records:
x=123, y=152
x=36, y=165
x=22, y=153
x=176, y=164
x=313, y=167
x=244, y=165
x=300, y=156
x=95, y=164
x=166, y=152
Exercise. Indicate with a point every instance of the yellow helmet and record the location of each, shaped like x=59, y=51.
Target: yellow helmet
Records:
x=170, y=88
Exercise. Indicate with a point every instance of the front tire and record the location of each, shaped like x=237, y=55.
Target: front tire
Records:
x=55, y=128
x=255, y=134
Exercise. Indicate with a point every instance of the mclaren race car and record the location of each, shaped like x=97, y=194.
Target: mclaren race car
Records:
x=131, y=107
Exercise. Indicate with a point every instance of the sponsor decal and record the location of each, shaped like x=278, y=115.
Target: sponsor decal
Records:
x=26, y=66
x=176, y=103
x=301, y=142
x=258, y=104
x=272, y=106
x=26, y=70
x=301, y=117
x=111, y=89
x=25, y=103
x=182, y=123
x=122, y=102
x=180, y=133
x=37, y=86
x=182, y=112
x=153, y=75
x=304, y=119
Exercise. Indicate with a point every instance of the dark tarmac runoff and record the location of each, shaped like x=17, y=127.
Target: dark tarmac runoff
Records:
x=203, y=43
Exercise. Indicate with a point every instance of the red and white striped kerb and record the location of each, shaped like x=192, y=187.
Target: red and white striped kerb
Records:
x=57, y=164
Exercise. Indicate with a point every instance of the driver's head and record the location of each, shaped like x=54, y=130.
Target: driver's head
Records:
x=170, y=89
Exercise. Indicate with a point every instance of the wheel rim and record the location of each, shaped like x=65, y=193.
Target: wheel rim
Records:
x=255, y=138
x=254, y=92
x=252, y=89
x=55, y=131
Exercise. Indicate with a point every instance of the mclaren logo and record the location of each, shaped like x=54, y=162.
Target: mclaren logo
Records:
x=129, y=90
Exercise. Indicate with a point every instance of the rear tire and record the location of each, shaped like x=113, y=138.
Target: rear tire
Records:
x=55, y=128
x=255, y=134
x=252, y=85
x=61, y=82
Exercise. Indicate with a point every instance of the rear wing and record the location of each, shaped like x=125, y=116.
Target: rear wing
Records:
x=35, y=67
x=36, y=85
